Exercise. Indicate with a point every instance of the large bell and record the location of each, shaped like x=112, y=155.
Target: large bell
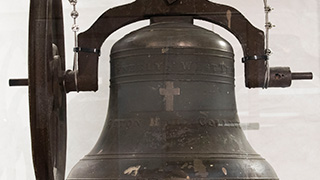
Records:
x=172, y=111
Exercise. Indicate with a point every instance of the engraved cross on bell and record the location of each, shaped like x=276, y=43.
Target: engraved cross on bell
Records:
x=169, y=92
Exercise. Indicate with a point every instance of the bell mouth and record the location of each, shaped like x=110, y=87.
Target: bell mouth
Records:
x=174, y=168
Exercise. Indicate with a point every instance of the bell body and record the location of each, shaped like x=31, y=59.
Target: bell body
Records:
x=172, y=111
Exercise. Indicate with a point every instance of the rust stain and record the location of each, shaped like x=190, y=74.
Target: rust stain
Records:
x=164, y=50
x=184, y=165
x=133, y=171
x=199, y=168
x=229, y=16
x=224, y=170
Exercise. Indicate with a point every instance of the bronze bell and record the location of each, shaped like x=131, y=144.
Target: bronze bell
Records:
x=172, y=111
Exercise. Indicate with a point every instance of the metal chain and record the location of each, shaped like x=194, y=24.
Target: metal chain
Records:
x=268, y=26
x=75, y=28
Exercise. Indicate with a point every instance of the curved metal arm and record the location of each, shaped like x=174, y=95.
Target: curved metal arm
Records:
x=251, y=38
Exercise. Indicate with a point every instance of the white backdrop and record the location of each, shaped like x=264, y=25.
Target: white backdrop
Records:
x=289, y=137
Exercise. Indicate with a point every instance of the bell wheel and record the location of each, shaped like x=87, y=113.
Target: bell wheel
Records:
x=47, y=97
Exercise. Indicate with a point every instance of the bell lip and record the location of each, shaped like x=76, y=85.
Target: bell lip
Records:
x=159, y=168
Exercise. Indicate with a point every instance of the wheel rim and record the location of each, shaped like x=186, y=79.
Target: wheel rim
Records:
x=47, y=97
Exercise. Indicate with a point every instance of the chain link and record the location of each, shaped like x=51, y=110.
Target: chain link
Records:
x=268, y=26
x=75, y=28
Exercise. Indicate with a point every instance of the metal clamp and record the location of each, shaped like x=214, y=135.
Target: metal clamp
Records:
x=255, y=57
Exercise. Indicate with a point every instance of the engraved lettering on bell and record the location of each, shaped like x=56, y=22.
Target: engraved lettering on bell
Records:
x=154, y=122
x=159, y=65
x=186, y=65
x=124, y=123
x=224, y=68
x=169, y=92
